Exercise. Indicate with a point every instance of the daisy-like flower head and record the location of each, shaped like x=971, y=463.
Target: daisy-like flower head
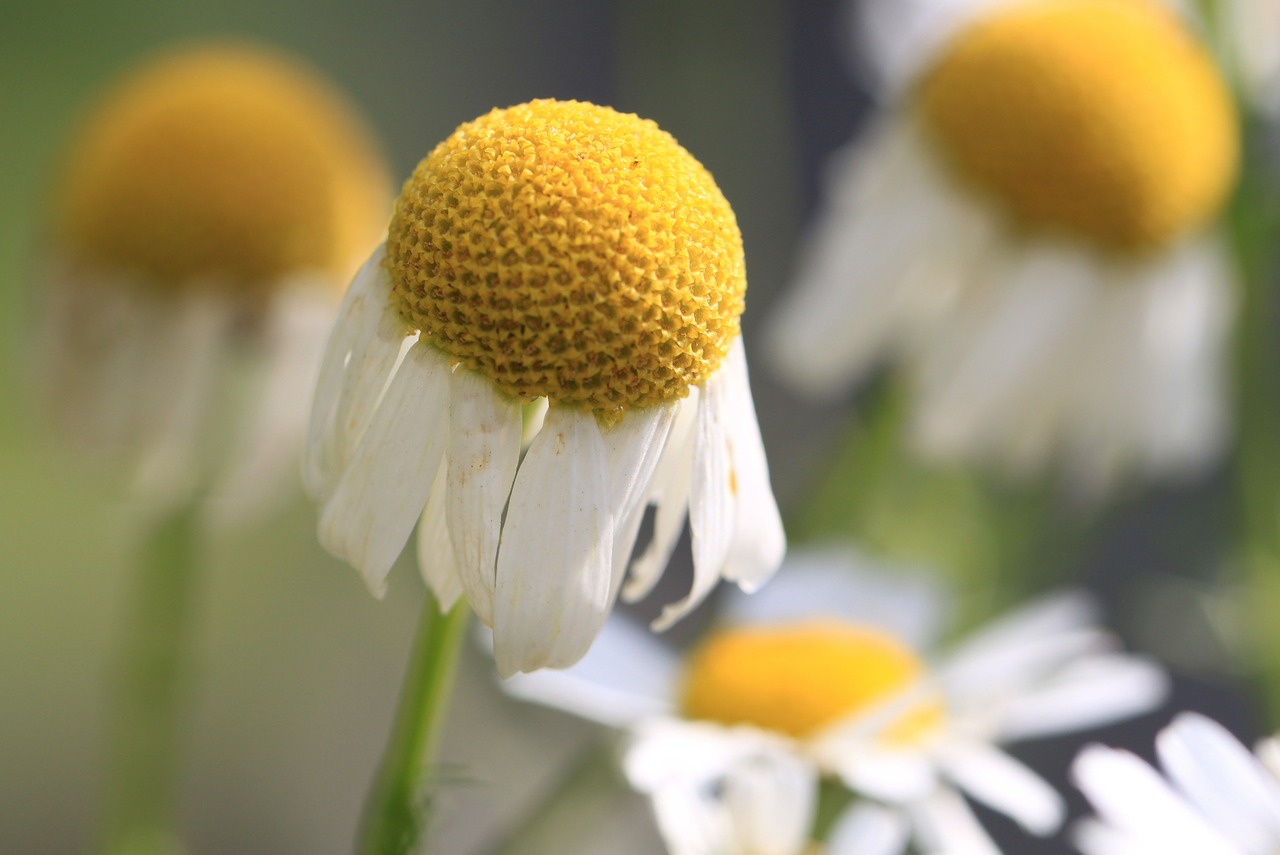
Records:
x=209, y=210
x=822, y=675
x=565, y=268
x=1028, y=231
x=1216, y=798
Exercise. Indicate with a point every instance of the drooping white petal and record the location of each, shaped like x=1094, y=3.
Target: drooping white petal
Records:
x=888, y=248
x=484, y=448
x=1087, y=693
x=670, y=487
x=944, y=824
x=771, y=799
x=690, y=824
x=179, y=390
x=1223, y=781
x=758, y=539
x=635, y=448
x=556, y=557
x=869, y=829
x=263, y=454
x=384, y=488
x=712, y=499
x=628, y=676
x=1131, y=797
x=1003, y=784
x=359, y=359
x=1000, y=354
x=436, y=560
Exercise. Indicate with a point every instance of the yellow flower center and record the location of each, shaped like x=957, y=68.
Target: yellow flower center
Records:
x=225, y=163
x=570, y=251
x=1102, y=118
x=798, y=678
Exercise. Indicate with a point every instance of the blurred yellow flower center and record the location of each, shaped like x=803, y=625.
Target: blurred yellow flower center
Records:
x=228, y=164
x=797, y=678
x=567, y=250
x=1102, y=118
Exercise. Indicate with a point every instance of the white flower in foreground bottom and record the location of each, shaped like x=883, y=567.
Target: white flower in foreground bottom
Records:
x=564, y=255
x=1030, y=233
x=823, y=666
x=1218, y=799
x=209, y=212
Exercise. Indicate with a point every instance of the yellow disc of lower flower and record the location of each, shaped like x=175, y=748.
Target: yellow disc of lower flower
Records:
x=1103, y=118
x=798, y=678
x=570, y=251
x=223, y=162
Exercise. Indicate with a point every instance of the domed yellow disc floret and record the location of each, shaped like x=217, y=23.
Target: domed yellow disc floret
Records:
x=568, y=250
x=1099, y=117
x=798, y=678
x=228, y=163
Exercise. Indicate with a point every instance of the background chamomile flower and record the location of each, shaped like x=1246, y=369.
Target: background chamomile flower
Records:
x=559, y=251
x=836, y=677
x=1029, y=230
x=1216, y=798
x=208, y=211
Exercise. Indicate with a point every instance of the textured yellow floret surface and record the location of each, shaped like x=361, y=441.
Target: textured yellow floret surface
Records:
x=226, y=162
x=797, y=678
x=567, y=250
x=1102, y=118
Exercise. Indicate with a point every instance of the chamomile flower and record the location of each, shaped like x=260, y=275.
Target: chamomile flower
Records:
x=826, y=665
x=1216, y=798
x=561, y=267
x=1029, y=231
x=209, y=209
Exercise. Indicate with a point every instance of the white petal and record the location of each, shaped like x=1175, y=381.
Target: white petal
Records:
x=436, y=560
x=841, y=583
x=635, y=448
x=995, y=356
x=945, y=824
x=712, y=503
x=868, y=829
x=484, y=448
x=181, y=389
x=359, y=360
x=384, y=488
x=263, y=456
x=897, y=777
x=891, y=242
x=758, y=539
x=1003, y=784
x=1223, y=781
x=772, y=799
x=627, y=676
x=1090, y=692
x=1129, y=795
x=670, y=486
x=555, y=561
x=691, y=824
x=663, y=752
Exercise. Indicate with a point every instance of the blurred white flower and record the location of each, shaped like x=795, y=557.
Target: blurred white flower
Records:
x=560, y=256
x=1217, y=798
x=1029, y=230
x=820, y=675
x=210, y=210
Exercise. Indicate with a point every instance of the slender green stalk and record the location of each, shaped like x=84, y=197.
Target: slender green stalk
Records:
x=1255, y=230
x=151, y=689
x=586, y=795
x=396, y=815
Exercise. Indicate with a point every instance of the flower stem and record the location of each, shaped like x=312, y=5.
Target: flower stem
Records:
x=151, y=688
x=396, y=814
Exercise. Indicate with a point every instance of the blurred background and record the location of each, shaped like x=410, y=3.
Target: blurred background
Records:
x=298, y=667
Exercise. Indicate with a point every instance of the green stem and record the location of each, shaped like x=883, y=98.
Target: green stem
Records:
x=398, y=807
x=1255, y=224
x=584, y=797
x=151, y=691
